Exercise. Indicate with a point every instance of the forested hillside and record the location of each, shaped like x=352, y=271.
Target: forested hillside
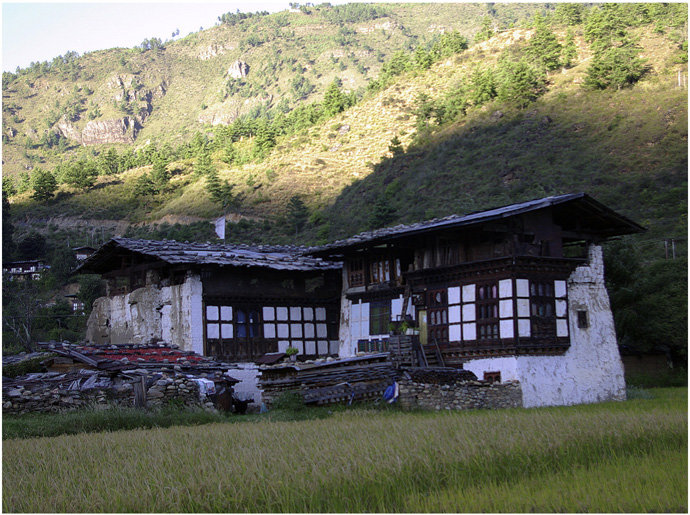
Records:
x=319, y=122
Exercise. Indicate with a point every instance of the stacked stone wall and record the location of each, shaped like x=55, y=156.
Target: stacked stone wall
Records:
x=37, y=398
x=459, y=396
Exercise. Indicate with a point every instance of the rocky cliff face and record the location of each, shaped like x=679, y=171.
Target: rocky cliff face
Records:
x=118, y=130
x=126, y=88
x=238, y=69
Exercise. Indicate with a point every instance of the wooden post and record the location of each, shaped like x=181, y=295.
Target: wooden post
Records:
x=140, y=393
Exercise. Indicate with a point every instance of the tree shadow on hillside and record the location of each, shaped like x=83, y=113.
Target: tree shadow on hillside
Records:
x=510, y=158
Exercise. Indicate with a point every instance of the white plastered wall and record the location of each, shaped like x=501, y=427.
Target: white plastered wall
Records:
x=171, y=314
x=591, y=370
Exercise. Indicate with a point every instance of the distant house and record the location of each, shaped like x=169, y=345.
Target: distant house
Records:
x=513, y=293
x=75, y=303
x=81, y=253
x=31, y=269
x=232, y=302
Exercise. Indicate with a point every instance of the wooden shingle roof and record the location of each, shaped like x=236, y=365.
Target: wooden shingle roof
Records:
x=176, y=253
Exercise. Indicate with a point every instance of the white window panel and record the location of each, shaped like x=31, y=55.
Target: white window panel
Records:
x=396, y=308
x=355, y=330
x=309, y=313
x=323, y=347
x=523, y=308
x=296, y=330
x=333, y=347
x=505, y=288
x=283, y=345
x=321, y=331
x=561, y=308
x=454, y=295
x=506, y=328
x=356, y=311
x=524, y=329
x=310, y=347
x=560, y=289
x=299, y=346
x=469, y=332
x=364, y=316
x=295, y=313
x=320, y=313
x=226, y=313
x=212, y=331
x=469, y=312
x=522, y=287
x=211, y=312
x=269, y=313
x=226, y=330
x=283, y=331
x=269, y=330
x=454, y=334
x=505, y=308
x=454, y=314
x=309, y=330
x=469, y=292
x=561, y=327
x=282, y=313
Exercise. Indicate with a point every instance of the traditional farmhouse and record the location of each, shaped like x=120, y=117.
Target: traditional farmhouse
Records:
x=514, y=293
x=232, y=302
x=81, y=253
x=31, y=269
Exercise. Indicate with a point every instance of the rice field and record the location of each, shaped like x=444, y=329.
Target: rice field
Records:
x=612, y=457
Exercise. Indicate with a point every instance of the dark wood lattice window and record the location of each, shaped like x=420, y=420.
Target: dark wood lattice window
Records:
x=542, y=309
x=356, y=273
x=487, y=311
x=379, y=317
x=437, y=318
x=492, y=377
x=247, y=323
x=379, y=271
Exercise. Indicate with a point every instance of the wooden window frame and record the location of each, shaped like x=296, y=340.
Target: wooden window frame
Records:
x=356, y=272
x=379, y=322
x=437, y=315
x=487, y=315
x=542, y=308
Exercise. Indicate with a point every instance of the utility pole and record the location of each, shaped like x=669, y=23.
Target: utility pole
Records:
x=673, y=248
x=666, y=248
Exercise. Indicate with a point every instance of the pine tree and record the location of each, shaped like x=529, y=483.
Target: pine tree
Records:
x=44, y=184
x=334, y=101
x=298, y=213
x=203, y=165
x=229, y=154
x=159, y=174
x=615, y=67
x=395, y=147
x=544, y=47
x=144, y=186
x=485, y=32
x=519, y=83
x=569, y=49
x=482, y=86
x=382, y=214
x=81, y=174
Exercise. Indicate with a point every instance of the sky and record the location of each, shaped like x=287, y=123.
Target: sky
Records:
x=41, y=31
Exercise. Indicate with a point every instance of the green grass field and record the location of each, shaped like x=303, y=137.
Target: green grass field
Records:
x=613, y=457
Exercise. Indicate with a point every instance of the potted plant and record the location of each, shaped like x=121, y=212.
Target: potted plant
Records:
x=292, y=353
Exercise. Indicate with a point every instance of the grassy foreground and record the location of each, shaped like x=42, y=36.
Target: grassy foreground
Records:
x=611, y=457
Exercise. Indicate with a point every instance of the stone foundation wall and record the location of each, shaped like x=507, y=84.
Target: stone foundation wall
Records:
x=459, y=396
x=41, y=399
